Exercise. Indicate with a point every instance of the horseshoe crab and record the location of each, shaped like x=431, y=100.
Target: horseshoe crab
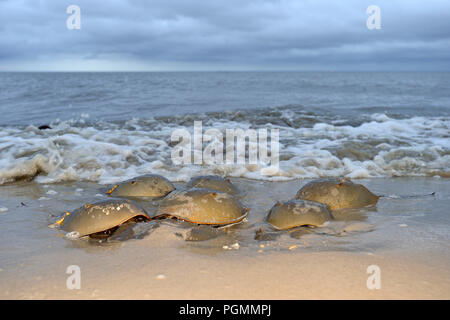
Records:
x=101, y=219
x=216, y=183
x=337, y=194
x=151, y=185
x=296, y=213
x=202, y=206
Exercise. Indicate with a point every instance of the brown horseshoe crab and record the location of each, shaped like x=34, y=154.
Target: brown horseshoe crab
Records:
x=151, y=185
x=101, y=219
x=337, y=194
x=202, y=206
x=296, y=213
x=217, y=183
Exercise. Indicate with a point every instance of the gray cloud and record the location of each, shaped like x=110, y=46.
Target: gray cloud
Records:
x=222, y=35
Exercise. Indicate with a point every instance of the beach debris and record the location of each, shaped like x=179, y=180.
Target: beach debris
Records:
x=3, y=209
x=403, y=225
x=235, y=246
x=202, y=206
x=51, y=192
x=216, y=183
x=296, y=213
x=337, y=194
x=293, y=247
x=100, y=220
x=160, y=277
x=151, y=185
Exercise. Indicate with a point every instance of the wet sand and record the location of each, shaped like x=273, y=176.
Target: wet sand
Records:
x=406, y=238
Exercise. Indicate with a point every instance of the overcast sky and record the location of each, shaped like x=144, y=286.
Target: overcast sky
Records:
x=146, y=35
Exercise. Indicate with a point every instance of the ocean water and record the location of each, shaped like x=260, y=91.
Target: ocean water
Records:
x=107, y=127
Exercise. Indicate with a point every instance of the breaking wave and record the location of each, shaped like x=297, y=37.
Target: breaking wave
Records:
x=311, y=146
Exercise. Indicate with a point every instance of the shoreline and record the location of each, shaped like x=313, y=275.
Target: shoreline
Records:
x=408, y=240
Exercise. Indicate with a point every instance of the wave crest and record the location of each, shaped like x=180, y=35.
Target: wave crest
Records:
x=107, y=152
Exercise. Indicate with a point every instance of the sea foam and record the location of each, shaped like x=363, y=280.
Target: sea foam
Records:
x=108, y=152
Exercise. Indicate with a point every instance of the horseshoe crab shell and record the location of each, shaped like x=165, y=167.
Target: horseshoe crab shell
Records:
x=202, y=206
x=337, y=194
x=217, y=183
x=296, y=213
x=151, y=185
x=101, y=217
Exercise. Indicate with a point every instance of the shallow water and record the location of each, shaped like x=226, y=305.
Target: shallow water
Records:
x=33, y=253
x=421, y=223
x=115, y=126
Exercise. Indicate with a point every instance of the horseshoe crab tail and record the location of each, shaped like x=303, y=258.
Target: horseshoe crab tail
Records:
x=60, y=221
x=112, y=189
x=395, y=196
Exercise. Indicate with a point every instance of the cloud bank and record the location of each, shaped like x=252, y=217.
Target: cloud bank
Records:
x=141, y=35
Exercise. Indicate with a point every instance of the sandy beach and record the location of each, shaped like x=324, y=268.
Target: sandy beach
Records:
x=407, y=238
x=143, y=99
